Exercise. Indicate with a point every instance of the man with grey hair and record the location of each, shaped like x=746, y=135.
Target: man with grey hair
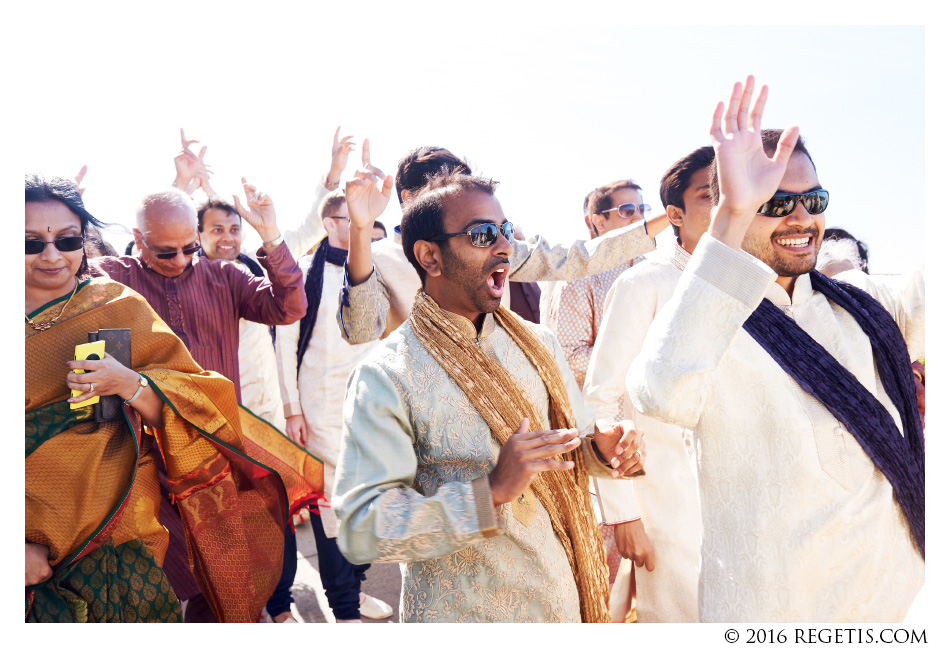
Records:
x=202, y=303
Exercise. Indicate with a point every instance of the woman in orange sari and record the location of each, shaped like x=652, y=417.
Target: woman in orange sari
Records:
x=94, y=546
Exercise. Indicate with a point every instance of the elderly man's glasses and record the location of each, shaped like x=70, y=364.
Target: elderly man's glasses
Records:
x=783, y=203
x=165, y=256
x=483, y=235
x=66, y=244
x=629, y=210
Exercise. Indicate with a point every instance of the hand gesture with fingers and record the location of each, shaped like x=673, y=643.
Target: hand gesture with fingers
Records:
x=260, y=213
x=189, y=166
x=78, y=179
x=339, y=154
x=524, y=455
x=622, y=445
x=364, y=200
x=747, y=176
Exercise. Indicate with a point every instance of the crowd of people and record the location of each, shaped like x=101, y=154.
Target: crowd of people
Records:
x=473, y=405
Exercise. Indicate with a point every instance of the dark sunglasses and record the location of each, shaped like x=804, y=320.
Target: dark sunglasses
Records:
x=629, y=210
x=782, y=203
x=165, y=256
x=67, y=244
x=483, y=235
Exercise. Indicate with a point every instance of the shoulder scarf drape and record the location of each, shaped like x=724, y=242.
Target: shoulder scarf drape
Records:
x=313, y=287
x=231, y=475
x=900, y=458
x=563, y=494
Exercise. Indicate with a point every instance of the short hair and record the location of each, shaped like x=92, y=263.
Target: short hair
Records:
x=599, y=199
x=837, y=233
x=331, y=203
x=415, y=168
x=770, y=137
x=129, y=248
x=217, y=203
x=170, y=197
x=423, y=217
x=675, y=181
x=382, y=227
x=40, y=188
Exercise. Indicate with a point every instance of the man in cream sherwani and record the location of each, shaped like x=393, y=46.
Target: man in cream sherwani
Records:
x=799, y=393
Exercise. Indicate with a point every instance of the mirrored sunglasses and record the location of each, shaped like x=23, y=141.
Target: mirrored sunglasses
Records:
x=783, y=203
x=66, y=244
x=629, y=210
x=483, y=235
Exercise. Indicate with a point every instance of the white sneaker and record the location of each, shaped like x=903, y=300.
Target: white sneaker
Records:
x=372, y=608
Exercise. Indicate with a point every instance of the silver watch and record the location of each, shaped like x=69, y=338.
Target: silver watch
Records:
x=142, y=385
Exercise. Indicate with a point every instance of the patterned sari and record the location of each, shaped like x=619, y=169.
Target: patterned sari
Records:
x=92, y=489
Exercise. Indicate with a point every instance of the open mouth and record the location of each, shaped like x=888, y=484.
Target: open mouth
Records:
x=496, y=281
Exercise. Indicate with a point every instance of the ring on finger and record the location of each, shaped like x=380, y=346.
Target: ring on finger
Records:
x=92, y=387
x=638, y=455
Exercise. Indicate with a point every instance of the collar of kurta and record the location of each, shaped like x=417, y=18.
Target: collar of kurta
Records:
x=468, y=328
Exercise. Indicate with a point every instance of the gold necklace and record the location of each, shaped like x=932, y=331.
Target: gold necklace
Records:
x=46, y=325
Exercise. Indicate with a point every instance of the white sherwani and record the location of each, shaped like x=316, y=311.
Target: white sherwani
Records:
x=667, y=497
x=798, y=524
x=317, y=391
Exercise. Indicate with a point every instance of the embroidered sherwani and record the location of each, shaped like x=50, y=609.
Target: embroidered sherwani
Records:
x=382, y=302
x=798, y=524
x=407, y=487
x=667, y=496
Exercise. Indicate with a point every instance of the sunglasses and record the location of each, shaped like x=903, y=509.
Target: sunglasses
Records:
x=629, y=210
x=782, y=203
x=483, y=235
x=67, y=244
x=165, y=256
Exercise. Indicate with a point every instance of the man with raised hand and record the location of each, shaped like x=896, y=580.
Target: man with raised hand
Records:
x=664, y=543
x=800, y=392
x=461, y=454
x=370, y=309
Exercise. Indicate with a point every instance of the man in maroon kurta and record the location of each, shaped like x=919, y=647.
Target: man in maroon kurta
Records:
x=202, y=301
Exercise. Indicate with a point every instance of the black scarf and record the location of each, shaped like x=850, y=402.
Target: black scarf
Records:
x=900, y=458
x=314, y=289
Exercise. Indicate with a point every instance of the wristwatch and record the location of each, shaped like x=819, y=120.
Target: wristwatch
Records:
x=142, y=385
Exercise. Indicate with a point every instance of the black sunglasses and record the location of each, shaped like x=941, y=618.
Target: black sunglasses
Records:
x=67, y=244
x=165, y=256
x=629, y=210
x=783, y=203
x=483, y=235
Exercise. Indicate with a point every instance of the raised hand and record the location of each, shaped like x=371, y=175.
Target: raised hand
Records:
x=78, y=180
x=364, y=200
x=747, y=176
x=622, y=445
x=260, y=213
x=339, y=154
x=189, y=166
x=524, y=455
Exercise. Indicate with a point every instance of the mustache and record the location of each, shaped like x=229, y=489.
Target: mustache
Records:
x=813, y=231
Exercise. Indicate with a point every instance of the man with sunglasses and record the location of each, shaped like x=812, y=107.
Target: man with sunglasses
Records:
x=800, y=393
x=449, y=463
x=202, y=303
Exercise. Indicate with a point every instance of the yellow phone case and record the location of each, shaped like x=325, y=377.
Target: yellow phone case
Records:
x=88, y=351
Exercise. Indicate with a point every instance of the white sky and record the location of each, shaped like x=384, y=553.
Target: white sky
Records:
x=550, y=101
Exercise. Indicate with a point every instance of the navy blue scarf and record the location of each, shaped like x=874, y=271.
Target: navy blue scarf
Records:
x=900, y=458
x=313, y=287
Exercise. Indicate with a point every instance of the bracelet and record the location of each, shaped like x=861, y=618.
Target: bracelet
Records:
x=272, y=244
x=330, y=185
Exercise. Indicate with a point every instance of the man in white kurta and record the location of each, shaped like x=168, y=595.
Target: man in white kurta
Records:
x=798, y=523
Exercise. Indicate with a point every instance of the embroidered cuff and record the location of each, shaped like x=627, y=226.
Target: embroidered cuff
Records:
x=487, y=520
x=736, y=273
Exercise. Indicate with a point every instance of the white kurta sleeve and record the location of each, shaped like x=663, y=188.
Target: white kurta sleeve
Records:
x=719, y=289
x=285, y=345
x=309, y=232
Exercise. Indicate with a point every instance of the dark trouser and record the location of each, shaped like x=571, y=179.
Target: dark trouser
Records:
x=280, y=601
x=341, y=579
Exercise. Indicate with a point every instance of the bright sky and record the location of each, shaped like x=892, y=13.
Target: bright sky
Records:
x=551, y=113
x=550, y=101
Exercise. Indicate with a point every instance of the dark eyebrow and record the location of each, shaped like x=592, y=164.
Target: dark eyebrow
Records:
x=65, y=229
x=815, y=188
x=481, y=221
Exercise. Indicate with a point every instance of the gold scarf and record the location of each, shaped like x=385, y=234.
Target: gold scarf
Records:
x=563, y=494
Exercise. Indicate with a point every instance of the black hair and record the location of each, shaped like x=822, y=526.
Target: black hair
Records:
x=423, y=217
x=216, y=203
x=837, y=233
x=382, y=227
x=415, y=168
x=675, y=181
